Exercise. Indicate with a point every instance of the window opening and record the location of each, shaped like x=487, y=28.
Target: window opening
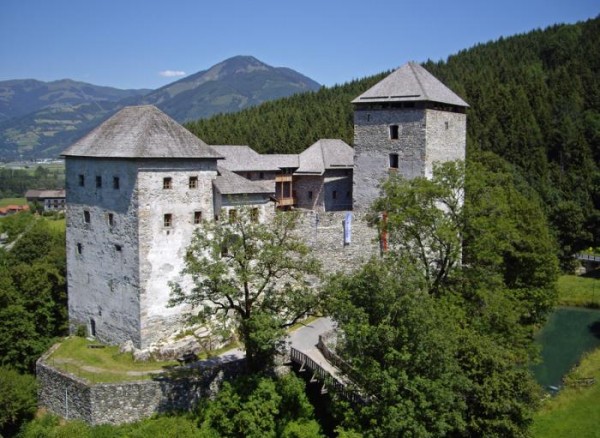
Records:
x=334, y=194
x=393, y=161
x=168, y=220
x=310, y=194
x=167, y=183
x=193, y=182
x=116, y=182
x=98, y=181
x=79, y=248
x=118, y=248
x=92, y=327
x=197, y=217
x=111, y=219
x=394, y=132
x=86, y=216
x=81, y=180
x=446, y=124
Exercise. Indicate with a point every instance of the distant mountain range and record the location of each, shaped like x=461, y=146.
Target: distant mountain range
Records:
x=40, y=119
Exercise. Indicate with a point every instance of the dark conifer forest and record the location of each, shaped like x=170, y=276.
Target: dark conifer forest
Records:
x=534, y=101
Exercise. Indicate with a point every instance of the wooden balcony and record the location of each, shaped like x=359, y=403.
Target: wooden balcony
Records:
x=286, y=202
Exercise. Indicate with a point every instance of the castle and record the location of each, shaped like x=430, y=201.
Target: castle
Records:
x=140, y=184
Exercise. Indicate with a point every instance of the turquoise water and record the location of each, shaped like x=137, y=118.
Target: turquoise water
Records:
x=568, y=334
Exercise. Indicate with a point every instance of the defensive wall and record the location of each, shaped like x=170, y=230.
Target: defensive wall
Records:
x=74, y=398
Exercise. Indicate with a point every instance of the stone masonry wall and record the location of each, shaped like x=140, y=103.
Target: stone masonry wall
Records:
x=372, y=148
x=324, y=234
x=116, y=403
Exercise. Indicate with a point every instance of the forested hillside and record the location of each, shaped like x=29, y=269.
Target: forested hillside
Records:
x=535, y=101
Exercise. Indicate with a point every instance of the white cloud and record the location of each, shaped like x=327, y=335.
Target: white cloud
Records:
x=171, y=73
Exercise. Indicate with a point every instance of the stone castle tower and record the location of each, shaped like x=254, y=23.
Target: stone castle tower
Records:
x=136, y=187
x=404, y=124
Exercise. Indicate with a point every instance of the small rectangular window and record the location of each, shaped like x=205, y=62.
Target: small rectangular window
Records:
x=310, y=194
x=79, y=248
x=168, y=220
x=98, y=181
x=111, y=219
x=232, y=215
x=167, y=183
x=81, y=180
x=334, y=195
x=118, y=248
x=116, y=183
x=394, y=132
x=197, y=217
x=86, y=216
x=393, y=161
x=254, y=215
x=193, y=182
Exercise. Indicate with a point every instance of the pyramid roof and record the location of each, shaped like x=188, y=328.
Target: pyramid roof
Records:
x=140, y=132
x=410, y=83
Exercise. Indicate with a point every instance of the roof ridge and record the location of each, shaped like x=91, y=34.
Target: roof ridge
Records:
x=411, y=64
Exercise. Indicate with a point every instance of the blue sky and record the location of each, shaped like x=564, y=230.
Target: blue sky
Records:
x=128, y=43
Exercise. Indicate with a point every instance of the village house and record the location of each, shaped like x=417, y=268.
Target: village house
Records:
x=51, y=200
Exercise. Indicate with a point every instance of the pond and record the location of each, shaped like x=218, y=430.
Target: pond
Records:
x=569, y=333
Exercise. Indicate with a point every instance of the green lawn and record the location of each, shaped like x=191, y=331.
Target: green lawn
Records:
x=12, y=201
x=578, y=291
x=575, y=411
x=102, y=364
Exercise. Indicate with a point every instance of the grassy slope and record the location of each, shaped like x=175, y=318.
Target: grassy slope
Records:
x=12, y=201
x=575, y=411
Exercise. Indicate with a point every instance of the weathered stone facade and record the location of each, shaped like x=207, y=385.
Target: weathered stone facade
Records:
x=121, y=251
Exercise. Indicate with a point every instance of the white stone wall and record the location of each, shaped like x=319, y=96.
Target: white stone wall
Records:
x=162, y=249
x=446, y=138
x=103, y=282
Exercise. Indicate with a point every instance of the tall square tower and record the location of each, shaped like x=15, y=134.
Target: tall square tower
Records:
x=404, y=124
x=137, y=187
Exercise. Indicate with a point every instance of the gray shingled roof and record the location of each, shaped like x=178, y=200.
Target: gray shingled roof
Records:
x=141, y=132
x=45, y=194
x=326, y=154
x=411, y=82
x=230, y=183
x=244, y=158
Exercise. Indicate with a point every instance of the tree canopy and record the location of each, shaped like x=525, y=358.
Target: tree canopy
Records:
x=259, y=273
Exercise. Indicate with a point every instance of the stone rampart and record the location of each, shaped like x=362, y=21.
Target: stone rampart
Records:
x=115, y=403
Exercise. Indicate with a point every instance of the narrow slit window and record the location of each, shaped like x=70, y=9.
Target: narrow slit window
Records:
x=197, y=217
x=168, y=220
x=393, y=161
x=394, y=132
x=81, y=180
x=193, y=182
x=310, y=194
x=79, y=248
x=86, y=216
x=111, y=219
x=334, y=194
x=447, y=125
x=98, y=181
x=167, y=183
x=116, y=183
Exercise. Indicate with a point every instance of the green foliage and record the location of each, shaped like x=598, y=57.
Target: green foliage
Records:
x=15, y=182
x=18, y=400
x=260, y=407
x=33, y=300
x=438, y=331
x=258, y=272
